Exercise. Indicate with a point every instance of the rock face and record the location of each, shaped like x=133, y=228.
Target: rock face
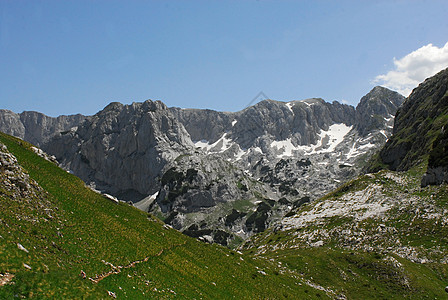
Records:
x=35, y=127
x=373, y=107
x=419, y=133
x=268, y=120
x=271, y=140
x=204, y=124
x=122, y=149
x=10, y=123
x=437, y=171
x=209, y=197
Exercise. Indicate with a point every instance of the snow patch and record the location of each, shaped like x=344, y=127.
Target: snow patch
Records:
x=328, y=141
x=391, y=117
x=201, y=144
x=331, y=138
x=146, y=202
x=240, y=154
x=220, y=145
x=257, y=149
x=286, y=147
x=359, y=149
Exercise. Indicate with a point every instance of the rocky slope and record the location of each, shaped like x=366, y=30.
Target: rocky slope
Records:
x=377, y=229
x=419, y=133
x=18, y=185
x=36, y=127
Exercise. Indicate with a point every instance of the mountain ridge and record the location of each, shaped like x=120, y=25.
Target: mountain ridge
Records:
x=240, y=174
x=35, y=127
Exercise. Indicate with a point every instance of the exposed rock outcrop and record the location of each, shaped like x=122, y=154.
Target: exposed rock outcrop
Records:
x=204, y=124
x=376, y=110
x=209, y=197
x=122, y=149
x=17, y=186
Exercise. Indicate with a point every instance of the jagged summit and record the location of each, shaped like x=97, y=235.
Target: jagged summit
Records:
x=122, y=148
x=36, y=127
x=380, y=102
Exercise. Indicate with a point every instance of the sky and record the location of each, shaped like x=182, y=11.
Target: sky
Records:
x=68, y=57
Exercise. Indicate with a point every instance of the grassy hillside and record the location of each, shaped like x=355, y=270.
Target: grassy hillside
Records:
x=380, y=236
x=59, y=239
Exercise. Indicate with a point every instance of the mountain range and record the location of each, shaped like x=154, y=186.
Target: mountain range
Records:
x=380, y=234
x=216, y=175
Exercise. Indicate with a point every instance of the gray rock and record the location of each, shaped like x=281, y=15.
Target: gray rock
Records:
x=376, y=110
x=122, y=149
x=204, y=124
x=301, y=120
x=11, y=124
x=435, y=176
x=35, y=127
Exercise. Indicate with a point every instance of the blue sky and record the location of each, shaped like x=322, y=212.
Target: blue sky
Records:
x=67, y=57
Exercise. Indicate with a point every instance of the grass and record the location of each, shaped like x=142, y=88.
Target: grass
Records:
x=363, y=275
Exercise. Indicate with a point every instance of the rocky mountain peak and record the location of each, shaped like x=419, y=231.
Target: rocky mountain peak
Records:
x=10, y=123
x=371, y=111
x=123, y=148
x=113, y=106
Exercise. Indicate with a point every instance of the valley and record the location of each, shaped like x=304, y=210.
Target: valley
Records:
x=304, y=199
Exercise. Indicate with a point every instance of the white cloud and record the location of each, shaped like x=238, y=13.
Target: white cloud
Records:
x=414, y=68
